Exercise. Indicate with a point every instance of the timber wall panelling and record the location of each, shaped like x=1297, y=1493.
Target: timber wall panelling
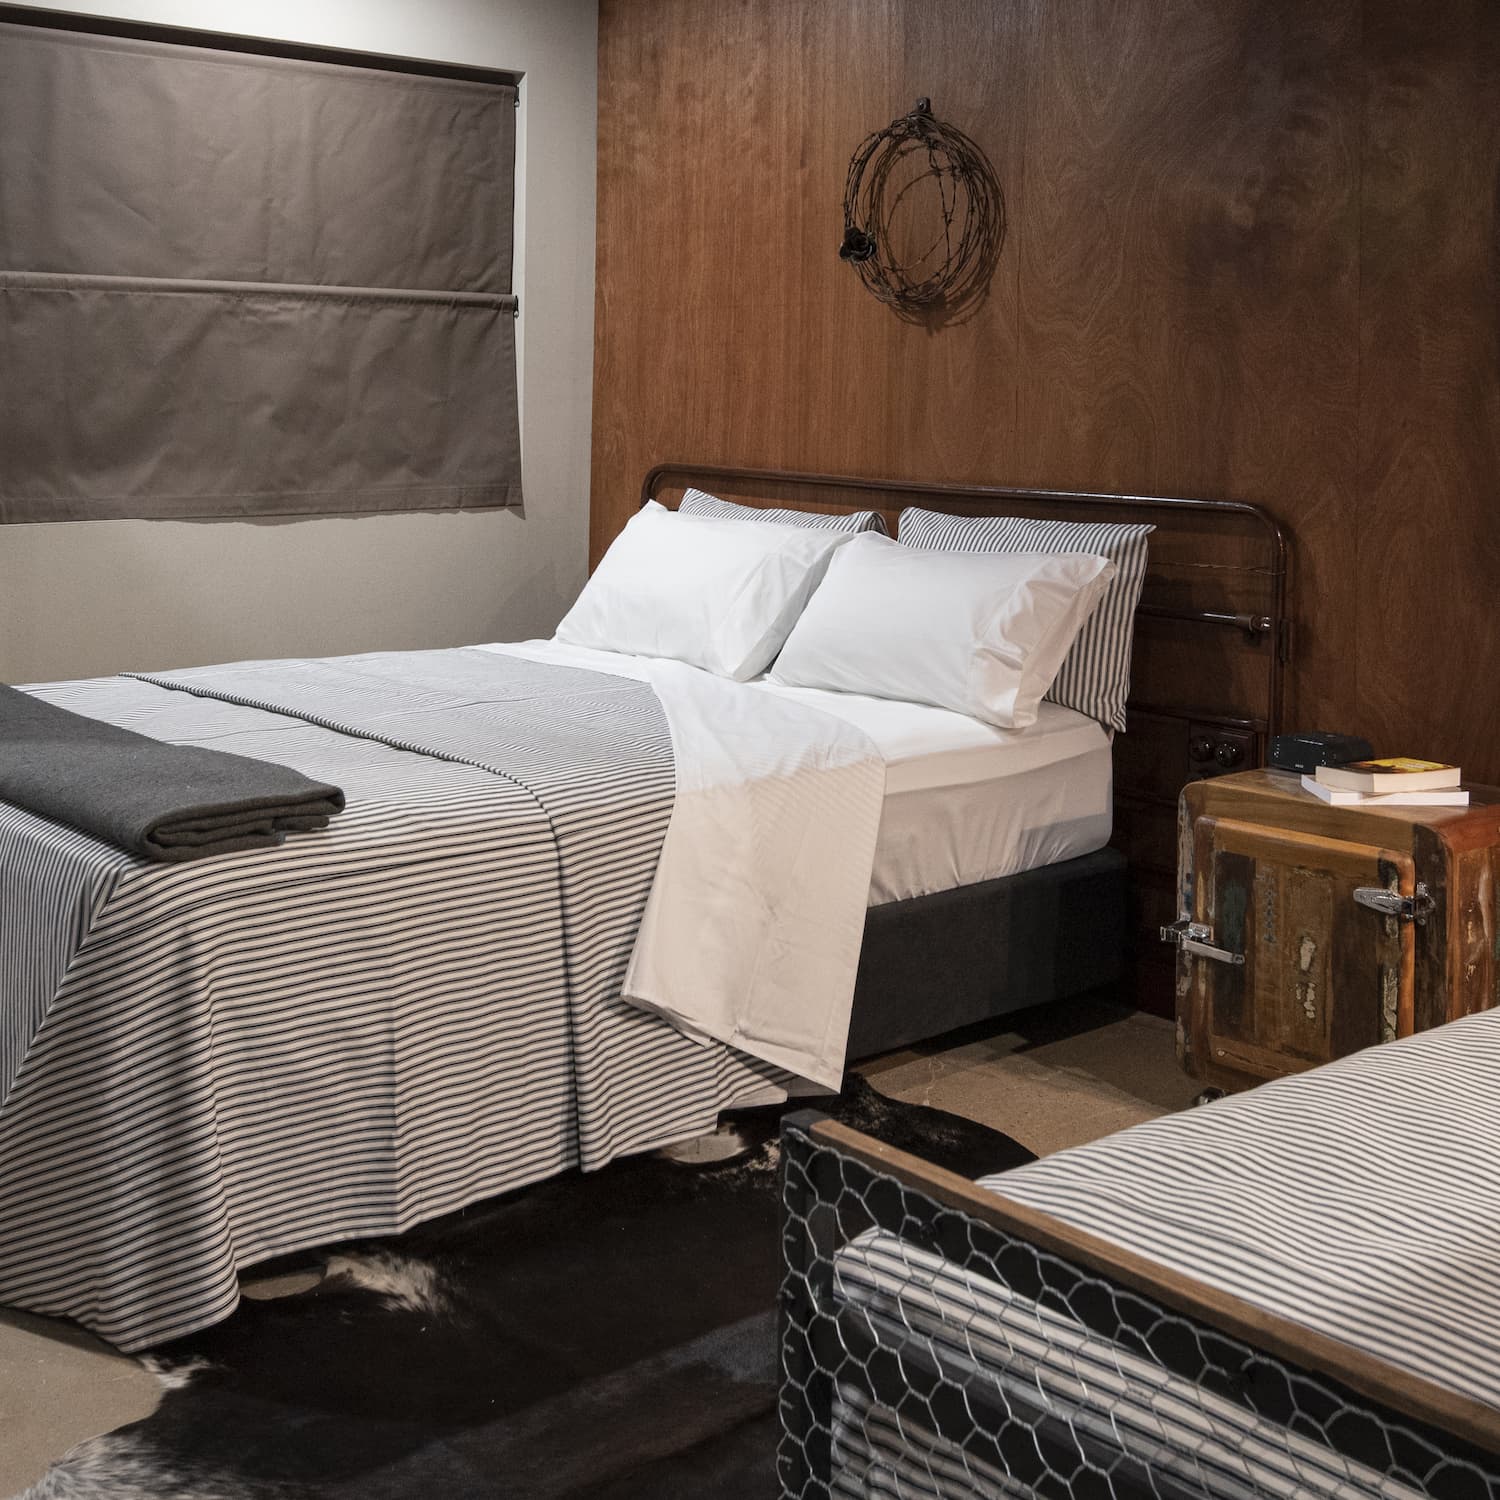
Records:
x=1252, y=254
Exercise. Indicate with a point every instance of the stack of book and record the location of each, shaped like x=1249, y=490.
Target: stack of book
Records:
x=1397, y=782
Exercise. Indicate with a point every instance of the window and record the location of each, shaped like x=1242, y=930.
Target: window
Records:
x=244, y=285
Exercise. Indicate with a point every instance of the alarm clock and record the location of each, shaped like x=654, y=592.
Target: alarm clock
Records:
x=1306, y=752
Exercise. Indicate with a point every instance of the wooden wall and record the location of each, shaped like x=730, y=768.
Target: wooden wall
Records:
x=1254, y=252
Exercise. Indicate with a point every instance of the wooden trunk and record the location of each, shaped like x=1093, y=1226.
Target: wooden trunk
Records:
x=1304, y=972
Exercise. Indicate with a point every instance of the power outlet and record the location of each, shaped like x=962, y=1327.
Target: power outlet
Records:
x=1216, y=751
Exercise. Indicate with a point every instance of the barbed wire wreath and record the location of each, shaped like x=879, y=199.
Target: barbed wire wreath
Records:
x=954, y=268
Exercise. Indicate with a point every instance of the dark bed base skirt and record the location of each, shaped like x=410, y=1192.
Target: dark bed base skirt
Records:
x=935, y=963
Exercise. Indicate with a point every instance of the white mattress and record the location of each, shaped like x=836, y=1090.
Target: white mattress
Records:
x=964, y=802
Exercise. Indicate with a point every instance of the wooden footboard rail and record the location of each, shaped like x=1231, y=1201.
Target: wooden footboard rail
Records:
x=892, y=1273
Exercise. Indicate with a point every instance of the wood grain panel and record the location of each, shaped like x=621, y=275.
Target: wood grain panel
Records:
x=1219, y=667
x=1428, y=560
x=1319, y=971
x=1189, y=260
x=727, y=326
x=1146, y=838
x=1252, y=254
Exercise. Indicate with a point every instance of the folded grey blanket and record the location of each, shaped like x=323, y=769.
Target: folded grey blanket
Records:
x=166, y=802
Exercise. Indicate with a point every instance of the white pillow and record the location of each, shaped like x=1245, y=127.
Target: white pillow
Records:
x=1095, y=676
x=716, y=594
x=983, y=634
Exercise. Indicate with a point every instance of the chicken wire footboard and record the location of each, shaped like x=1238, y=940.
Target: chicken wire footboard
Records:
x=937, y=1341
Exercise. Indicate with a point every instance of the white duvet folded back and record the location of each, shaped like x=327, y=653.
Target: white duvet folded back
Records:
x=754, y=926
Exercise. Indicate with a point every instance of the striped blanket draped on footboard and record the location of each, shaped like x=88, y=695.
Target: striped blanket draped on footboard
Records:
x=1294, y=1292
x=205, y=1065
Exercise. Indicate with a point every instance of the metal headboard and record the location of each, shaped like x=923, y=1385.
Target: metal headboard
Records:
x=1271, y=622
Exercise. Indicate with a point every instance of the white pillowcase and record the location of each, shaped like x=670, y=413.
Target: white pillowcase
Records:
x=980, y=633
x=716, y=594
x=1095, y=675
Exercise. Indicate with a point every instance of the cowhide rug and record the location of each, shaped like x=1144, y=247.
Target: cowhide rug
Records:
x=609, y=1336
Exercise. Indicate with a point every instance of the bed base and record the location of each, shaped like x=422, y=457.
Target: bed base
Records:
x=934, y=963
x=837, y=1184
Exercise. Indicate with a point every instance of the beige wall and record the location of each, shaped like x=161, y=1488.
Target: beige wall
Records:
x=85, y=598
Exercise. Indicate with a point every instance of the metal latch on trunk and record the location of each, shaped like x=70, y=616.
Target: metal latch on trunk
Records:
x=1414, y=908
x=1198, y=937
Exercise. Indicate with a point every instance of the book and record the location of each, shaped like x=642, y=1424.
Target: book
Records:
x=1395, y=774
x=1450, y=796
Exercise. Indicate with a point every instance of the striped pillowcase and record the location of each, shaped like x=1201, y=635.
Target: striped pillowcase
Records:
x=696, y=503
x=1095, y=674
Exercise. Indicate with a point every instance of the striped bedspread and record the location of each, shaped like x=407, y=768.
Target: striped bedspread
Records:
x=1360, y=1200
x=206, y=1065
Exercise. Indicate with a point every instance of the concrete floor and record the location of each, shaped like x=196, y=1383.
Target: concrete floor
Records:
x=1054, y=1078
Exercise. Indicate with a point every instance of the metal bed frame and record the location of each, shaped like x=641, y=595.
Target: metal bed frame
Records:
x=837, y=1183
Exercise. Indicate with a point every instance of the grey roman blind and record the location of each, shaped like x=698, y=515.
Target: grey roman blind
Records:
x=234, y=285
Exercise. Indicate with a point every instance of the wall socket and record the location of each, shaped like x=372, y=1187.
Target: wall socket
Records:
x=1215, y=751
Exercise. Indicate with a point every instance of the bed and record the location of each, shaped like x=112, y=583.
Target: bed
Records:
x=205, y=1066
x=1295, y=1291
x=1213, y=643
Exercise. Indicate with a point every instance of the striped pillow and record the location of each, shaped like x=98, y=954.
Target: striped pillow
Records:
x=696, y=503
x=1095, y=675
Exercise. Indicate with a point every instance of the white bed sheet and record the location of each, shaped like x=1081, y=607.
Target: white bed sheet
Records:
x=964, y=801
